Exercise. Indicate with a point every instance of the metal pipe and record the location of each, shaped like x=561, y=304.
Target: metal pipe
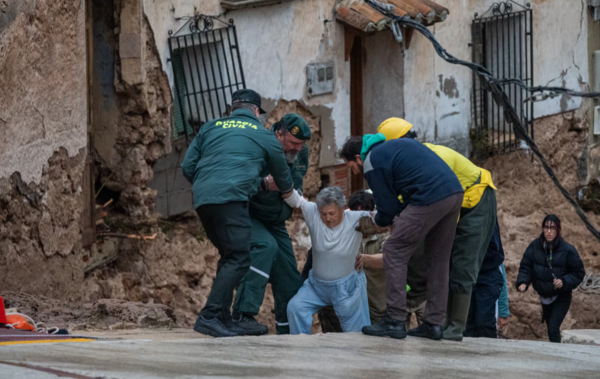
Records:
x=178, y=94
x=204, y=65
x=237, y=84
x=187, y=53
x=226, y=64
x=239, y=57
x=220, y=74
x=206, y=119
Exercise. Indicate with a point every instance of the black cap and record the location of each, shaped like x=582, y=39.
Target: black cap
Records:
x=247, y=96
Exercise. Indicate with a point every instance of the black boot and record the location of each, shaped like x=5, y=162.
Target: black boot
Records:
x=426, y=330
x=213, y=327
x=387, y=326
x=246, y=325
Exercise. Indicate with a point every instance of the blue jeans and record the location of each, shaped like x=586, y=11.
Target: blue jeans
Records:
x=347, y=295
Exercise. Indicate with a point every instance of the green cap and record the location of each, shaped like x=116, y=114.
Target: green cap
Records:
x=296, y=125
x=247, y=96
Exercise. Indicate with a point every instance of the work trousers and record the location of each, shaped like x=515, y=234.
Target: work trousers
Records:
x=481, y=321
x=555, y=313
x=272, y=259
x=416, y=307
x=228, y=227
x=436, y=224
x=347, y=295
x=473, y=234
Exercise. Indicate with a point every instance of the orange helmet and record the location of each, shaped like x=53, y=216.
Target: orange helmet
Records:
x=18, y=322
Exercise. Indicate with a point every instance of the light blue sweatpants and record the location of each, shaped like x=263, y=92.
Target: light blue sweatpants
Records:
x=347, y=295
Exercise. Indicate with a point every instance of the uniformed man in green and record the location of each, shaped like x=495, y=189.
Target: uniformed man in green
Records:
x=272, y=256
x=223, y=163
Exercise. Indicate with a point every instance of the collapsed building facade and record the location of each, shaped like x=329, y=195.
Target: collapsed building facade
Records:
x=101, y=98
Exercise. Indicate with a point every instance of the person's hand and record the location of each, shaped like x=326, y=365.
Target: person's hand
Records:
x=502, y=322
x=359, y=263
x=272, y=186
x=558, y=283
x=522, y=288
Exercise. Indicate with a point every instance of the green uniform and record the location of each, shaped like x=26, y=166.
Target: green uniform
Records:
x=222, y=163
x=227, y=156
x=272, y=255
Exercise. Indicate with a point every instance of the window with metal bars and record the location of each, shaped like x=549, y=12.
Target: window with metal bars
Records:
x=207, y=70
x=502, y=42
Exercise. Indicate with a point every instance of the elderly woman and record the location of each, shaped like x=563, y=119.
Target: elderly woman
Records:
x=333, y=279
x=554, y=268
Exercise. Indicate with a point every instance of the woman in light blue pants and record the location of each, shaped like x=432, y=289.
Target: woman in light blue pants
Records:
x=347, y=295
x=334, y=279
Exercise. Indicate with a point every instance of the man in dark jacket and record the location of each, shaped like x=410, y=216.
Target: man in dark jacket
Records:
x=554, y=268
x=223, y=163
x=272, y=256
x=412, y=182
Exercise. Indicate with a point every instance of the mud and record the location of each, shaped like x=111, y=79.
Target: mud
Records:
x=525, y=195
x=105, y=314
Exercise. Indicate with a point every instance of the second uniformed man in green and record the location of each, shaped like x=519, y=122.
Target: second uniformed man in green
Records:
x=223, y=163
x=272, y=256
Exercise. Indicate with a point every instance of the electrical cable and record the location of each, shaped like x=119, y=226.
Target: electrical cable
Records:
x=493, y=86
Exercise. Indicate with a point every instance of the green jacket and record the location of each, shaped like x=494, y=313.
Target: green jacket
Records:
x=268, y=206
x=228, y=154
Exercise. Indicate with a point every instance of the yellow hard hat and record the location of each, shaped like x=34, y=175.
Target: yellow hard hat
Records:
x=394, y=128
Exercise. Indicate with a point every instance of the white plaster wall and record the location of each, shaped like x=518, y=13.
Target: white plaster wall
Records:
x=383, y=71
x=44, y=108
x=277, y=42
x=442, y=113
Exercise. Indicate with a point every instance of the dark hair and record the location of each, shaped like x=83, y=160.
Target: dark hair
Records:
x=241, y=105
x=410, y=134
x=279, y=125
x=363, y=200
x=556, y=221
x=351, y=148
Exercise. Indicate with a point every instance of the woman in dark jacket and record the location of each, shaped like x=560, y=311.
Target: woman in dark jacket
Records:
x=554, y=268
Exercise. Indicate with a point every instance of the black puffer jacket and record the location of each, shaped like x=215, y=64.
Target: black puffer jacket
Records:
x=566, y=265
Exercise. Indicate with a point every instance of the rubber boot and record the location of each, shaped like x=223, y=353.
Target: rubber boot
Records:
x=456, y=317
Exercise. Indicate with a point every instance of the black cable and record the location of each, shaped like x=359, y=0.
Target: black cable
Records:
x=493, y=85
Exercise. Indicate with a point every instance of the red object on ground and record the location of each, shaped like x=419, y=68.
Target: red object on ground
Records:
x=2, y=311
x=19, y=322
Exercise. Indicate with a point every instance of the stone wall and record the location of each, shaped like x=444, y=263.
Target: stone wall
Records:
x=43, y=124
x=132, y=99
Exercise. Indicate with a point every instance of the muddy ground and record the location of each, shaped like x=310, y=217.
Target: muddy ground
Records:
x=169, y=277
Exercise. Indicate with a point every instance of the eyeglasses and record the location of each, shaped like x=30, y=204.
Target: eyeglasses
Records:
x=551, y=228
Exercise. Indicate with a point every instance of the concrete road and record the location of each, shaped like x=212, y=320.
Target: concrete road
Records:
x=351, y=355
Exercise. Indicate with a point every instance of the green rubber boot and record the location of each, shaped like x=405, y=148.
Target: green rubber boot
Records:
x=456, y=316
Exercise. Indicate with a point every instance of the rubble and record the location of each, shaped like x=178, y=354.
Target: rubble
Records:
x=525, y=195
x=104, y=314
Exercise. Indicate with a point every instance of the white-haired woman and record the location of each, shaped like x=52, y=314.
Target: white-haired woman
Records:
x=333, y=279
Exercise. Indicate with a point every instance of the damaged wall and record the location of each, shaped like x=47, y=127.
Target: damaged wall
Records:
x=526, y=194
x=438, y=94
x=132, y=125
x=43, y=119
x=296, y=34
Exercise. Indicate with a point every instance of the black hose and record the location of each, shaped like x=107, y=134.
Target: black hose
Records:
x=493, y=85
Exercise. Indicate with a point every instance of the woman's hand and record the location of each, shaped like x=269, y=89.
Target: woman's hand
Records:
x=522, y=288
x=558, y=283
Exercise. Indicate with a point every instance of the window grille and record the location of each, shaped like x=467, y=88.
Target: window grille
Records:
x=503, y=43
x=207, y=70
